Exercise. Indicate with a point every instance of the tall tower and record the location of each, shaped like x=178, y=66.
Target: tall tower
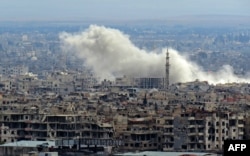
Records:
x=167, y=71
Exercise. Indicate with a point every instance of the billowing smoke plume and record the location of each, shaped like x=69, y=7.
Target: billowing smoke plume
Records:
x=110, y=53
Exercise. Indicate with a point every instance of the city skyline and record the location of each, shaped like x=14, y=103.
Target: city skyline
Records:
x=29, y=10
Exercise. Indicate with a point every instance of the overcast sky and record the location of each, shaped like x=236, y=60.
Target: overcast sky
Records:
x=117, y=9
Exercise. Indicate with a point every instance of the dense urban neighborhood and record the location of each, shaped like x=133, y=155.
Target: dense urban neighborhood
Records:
x=49, y=95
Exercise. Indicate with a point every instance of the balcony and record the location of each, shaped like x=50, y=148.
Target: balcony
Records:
x=168, y=133
x=38, y=130
x=240, y=118
x=200, y=133
x=28, y=121
x=191, y=126
x=28, y=129
x=192, y=134
x=28, y=136
x=240, y=125
x=167, y=148
x=168, y=126
x=191, y=118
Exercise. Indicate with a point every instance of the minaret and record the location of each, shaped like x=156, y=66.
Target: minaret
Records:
x=167, y=71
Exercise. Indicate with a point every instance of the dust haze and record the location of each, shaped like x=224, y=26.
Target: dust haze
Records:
x=110, y=54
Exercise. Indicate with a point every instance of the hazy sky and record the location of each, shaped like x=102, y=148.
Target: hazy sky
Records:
x=117, y=9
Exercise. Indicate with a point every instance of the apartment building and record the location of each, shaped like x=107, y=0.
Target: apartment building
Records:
x=200, y=130
x=29, y=123
x=17, y=70
x=193, y=120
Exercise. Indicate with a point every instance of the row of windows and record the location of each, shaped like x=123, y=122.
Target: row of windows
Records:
x=139, y=145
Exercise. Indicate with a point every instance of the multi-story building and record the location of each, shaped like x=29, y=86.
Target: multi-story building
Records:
x=29, y=123
x=180, y=119
x=18, y=70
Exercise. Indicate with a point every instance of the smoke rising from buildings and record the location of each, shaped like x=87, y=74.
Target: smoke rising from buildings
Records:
x=110, y=53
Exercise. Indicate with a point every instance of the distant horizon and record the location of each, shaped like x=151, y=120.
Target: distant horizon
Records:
x=196, y=20
x=178, y=18
x=117, y=10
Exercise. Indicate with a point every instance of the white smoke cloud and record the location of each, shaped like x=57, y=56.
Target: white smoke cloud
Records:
x=110, y=53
